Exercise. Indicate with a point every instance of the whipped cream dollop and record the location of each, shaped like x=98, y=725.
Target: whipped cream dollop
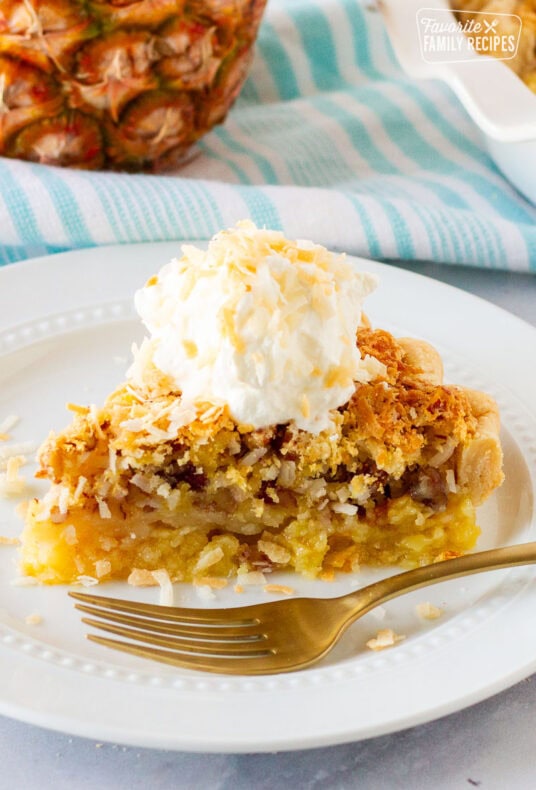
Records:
x=260, y=324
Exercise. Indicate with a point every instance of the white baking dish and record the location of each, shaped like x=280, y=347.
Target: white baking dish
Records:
x=497, y=100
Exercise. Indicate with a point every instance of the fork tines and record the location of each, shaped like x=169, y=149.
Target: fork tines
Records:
x=201, y=639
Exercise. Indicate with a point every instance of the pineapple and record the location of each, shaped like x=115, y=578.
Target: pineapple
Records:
x=122, y=84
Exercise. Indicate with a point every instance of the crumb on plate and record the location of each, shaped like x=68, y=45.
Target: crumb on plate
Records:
x=12, y=483
x=5, y=541
x=33, y=619
x=214, y=582
x=386, y=637
x=427, y=611
x=279, y=588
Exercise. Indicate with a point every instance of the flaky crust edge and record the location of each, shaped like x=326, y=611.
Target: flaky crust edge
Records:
x=480, y=462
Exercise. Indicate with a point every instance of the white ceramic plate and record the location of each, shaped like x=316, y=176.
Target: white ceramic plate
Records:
x=66, y=326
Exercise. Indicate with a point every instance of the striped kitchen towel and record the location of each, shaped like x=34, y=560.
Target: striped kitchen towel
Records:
x=329, y=140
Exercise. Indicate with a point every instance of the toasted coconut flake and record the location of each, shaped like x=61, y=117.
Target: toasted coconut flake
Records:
x=305, y=407
x=133, y=393
x=24, y=581
x=104, y=510
x=251, y=458
x=142, y=481
x=451, y=481
x=275, y=553
x=427, y=611
x=69, y=535
x=103, y=568
x=344, y=508
x=386, y=637
x=279, y=588
x=166, y=587
x=444, y=453
x=87, y=581
x=80, y=486
x=214, y=582
x=140, y=577
x=210, y=414
x=94, y=414
x=238, y=588
x=5, y=541
x=208, y=558
x=136, y=424
x=33, y=619
x=76, y=409
x=63, y=499
x=287, y=473
x=7, y=424
x=251, y=578
x=17, y=448
x=204, y=592
x=11, y=482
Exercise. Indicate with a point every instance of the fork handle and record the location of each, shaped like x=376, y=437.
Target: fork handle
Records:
x=361, y=601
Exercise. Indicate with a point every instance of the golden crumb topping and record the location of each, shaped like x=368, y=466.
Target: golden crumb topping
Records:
x=391, y=423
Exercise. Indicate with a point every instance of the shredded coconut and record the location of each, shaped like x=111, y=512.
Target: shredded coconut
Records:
x=344, y=508
x=251, y=578
x=274, y=552
x=87, y=581
x=16, y=448
x=279, y=588
x=69, y=535
x=205, y=592
x=11, y=482
x=166, y=587
x=33, y=619
x=287, y=474
x=208, y=558
x=104, y=510
x=80, y=486
x=24, y=581
x=63, y=499
x=140, y=577
x=427, y=611
x=102, y=568
x=386, y=637
x=213, y=582
x=5, y=541
x=451, y=481
x=94, y=414
x=251, y=458
x=7, y=424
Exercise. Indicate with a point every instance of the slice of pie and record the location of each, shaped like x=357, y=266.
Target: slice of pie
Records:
x=252, y=435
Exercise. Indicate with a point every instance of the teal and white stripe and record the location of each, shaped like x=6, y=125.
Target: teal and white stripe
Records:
x=329, y=140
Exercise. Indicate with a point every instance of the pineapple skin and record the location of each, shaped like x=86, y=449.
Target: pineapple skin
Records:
x=125, y=84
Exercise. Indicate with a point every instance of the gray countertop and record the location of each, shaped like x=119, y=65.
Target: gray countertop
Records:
x=491, y=745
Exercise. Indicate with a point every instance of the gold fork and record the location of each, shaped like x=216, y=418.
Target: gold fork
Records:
x=266, y=638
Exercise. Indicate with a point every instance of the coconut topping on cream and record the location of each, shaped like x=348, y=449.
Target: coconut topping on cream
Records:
x=256, y=323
